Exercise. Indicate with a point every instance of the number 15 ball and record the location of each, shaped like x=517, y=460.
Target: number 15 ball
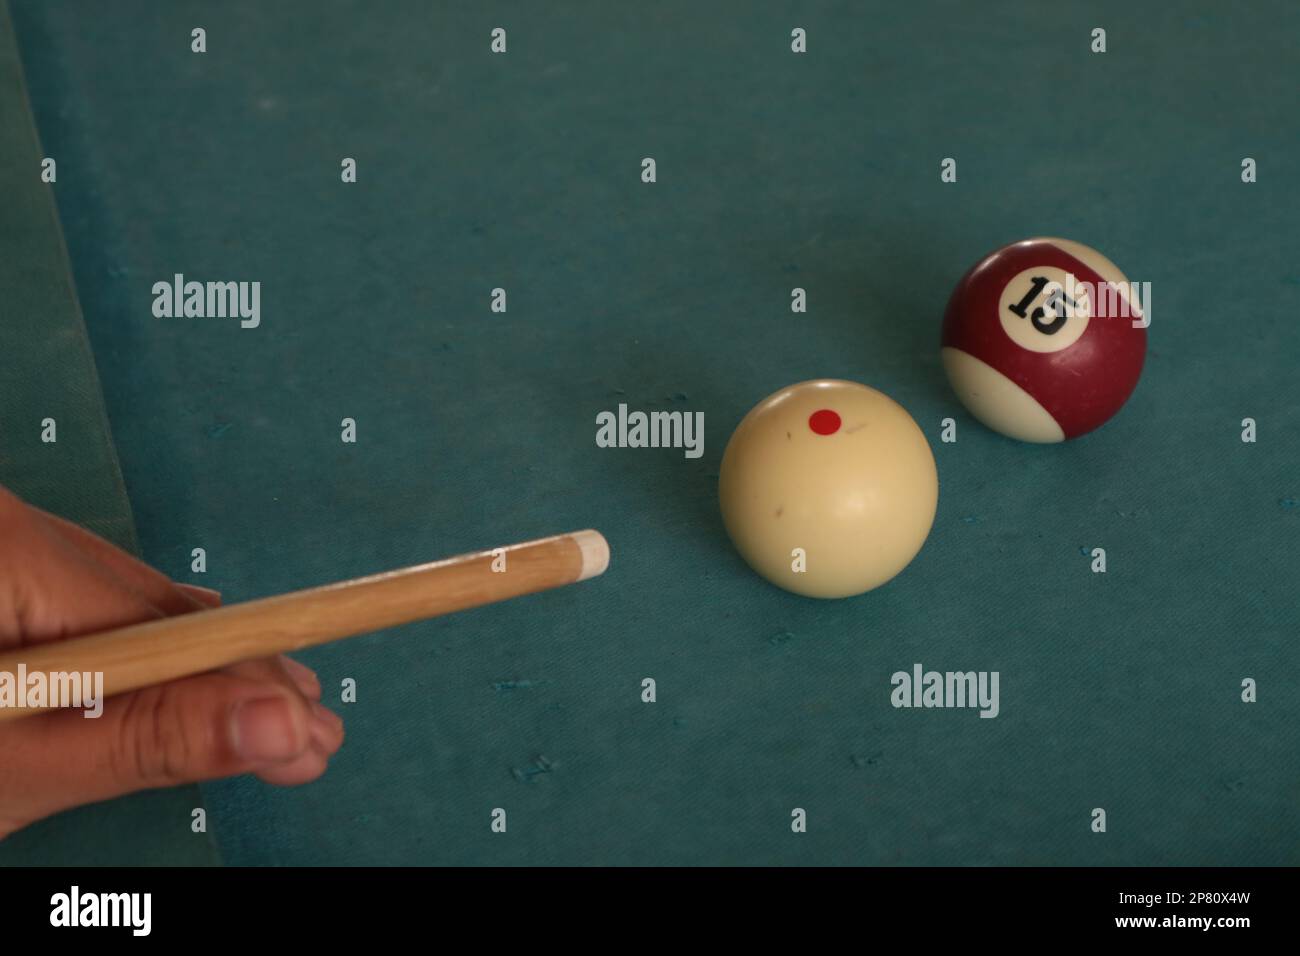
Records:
x=1042, y=340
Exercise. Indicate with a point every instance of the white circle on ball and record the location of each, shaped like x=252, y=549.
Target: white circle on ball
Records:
x=1045, y=309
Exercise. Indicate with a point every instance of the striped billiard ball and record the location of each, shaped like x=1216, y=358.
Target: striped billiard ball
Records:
x=1043, y=340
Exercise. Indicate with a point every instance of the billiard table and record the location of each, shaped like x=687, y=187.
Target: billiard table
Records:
x=506, y=267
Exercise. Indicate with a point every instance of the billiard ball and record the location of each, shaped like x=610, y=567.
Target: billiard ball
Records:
x=1042, y=340
x=828, y=488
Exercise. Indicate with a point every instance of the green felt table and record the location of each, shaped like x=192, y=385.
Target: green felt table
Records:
x=775, y=170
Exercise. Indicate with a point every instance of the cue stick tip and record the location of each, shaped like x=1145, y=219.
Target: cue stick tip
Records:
x=595, y=553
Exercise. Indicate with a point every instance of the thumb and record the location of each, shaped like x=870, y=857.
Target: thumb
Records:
x=200, y=728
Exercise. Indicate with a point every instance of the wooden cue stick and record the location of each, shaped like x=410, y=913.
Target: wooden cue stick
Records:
x=168, y=648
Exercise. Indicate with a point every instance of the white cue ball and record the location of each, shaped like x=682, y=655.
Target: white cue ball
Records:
x=838, y=470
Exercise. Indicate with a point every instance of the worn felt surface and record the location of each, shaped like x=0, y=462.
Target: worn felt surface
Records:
x=775, y=170
x=47, y=372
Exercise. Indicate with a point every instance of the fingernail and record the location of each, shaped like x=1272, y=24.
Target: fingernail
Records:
x=206, y=595
x=263, y=730
x=302, y=675
x=327, y=717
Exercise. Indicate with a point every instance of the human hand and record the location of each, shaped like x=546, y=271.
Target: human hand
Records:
x=58, y=581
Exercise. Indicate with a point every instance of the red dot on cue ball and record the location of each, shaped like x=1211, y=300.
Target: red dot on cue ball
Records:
x=824, y=422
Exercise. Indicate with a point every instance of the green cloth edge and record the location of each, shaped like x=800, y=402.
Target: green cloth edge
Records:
x=50, y=371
